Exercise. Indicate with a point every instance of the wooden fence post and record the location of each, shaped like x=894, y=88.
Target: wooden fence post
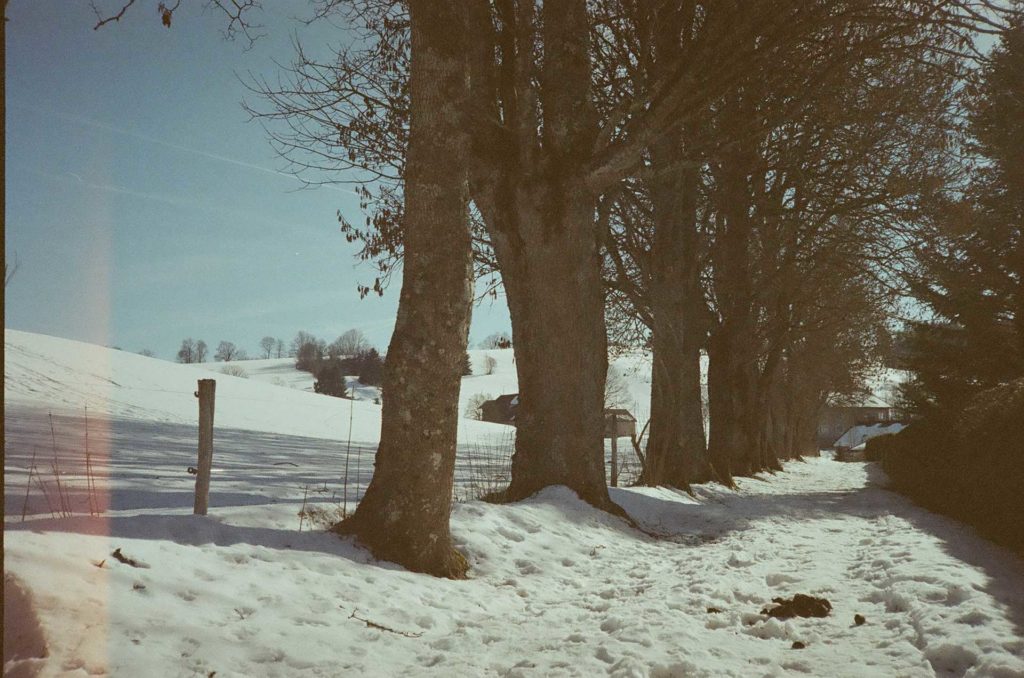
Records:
x=615, y=450
x=206, y=395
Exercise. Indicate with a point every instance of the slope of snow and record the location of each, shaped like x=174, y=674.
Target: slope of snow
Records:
x=860, y=434
x=70, y=376
x=276, y=371
x=556, y=588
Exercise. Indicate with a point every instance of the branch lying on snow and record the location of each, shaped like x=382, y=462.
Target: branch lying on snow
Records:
x=380, y=627
x=120, y=557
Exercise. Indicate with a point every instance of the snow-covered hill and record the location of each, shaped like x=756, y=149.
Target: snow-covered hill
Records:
x=69, y=376
x=275, y=371
x=556, y=588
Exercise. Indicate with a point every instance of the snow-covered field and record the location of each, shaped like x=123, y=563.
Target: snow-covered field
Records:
x=556, y=588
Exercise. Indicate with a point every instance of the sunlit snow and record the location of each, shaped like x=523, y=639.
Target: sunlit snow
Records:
x=555, y=588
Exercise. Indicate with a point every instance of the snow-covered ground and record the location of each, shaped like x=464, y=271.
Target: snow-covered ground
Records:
x=856, y=436
x=276, y=371
x=556, y=588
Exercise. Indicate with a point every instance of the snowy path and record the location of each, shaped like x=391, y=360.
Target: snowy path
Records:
x=557, y=588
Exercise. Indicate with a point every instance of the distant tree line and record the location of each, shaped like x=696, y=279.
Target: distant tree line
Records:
x=349, y=355
x=307, y=349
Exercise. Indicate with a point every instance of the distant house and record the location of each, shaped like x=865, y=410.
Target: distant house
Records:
x=851, y=445
x=619, y=423
x=503, y=410
x=842, y=414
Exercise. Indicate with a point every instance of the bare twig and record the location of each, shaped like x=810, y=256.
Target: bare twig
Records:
x=381, y=627
x=90, y=481
x=28, y=485
x=348, y=454
x=302, y=511
x=65, y=501
x=10, y=269
x=42, y=486
x=234, y=11
x=102, y=21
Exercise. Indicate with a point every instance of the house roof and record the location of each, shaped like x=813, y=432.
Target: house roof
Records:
x=859, y=400
x=619, y=412
x=857, y=435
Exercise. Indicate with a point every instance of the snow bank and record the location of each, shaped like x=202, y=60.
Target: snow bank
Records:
x=860, y=434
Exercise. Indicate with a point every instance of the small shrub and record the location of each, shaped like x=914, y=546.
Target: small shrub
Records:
x=321, y=517
x=489, y=364
x=474, y=406
x=484, y=469
x=235, y=371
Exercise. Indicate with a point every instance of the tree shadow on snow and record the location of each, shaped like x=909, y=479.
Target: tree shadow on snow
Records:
x=204, y=531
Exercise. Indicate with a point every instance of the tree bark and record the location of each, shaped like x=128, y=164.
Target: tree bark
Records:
x=529, y=183
x=404, y=516
x=732, y=349
x=676, y=448
x=556, y=304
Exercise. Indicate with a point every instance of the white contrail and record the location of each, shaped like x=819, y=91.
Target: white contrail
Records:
x=161, y=142
x=157, y=197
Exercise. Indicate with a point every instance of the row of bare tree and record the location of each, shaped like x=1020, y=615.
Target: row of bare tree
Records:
x=739, y=177
x=735, y=178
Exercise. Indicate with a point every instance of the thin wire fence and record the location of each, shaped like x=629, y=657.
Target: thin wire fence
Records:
x=95, y=463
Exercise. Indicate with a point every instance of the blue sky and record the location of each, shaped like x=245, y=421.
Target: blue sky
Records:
x=142, y=205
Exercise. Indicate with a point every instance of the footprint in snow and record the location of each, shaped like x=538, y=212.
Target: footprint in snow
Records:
x=604, y=655
x=513, y=535
x=527, y=567
x=741, y=559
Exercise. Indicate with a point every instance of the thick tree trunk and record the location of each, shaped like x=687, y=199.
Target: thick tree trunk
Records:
x=676, y=449
x=765, y=416
x=731, y=403
x=541, y=219
x=732, y=377
x=404, y=515
x=556, y=303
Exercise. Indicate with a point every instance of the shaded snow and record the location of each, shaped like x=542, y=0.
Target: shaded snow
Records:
x=860, y=434
x=556, y=587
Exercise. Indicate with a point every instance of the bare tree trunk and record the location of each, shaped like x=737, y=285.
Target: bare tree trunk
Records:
x=676, y=449
x=763, y=418
x=731, y=401
x=404, y=515
x=541, y=218
x=732, y=377
x=556, y=303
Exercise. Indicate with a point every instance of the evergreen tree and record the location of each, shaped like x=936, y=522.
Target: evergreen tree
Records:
x=371, y=368
x=972, y=269
x=331, y=379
